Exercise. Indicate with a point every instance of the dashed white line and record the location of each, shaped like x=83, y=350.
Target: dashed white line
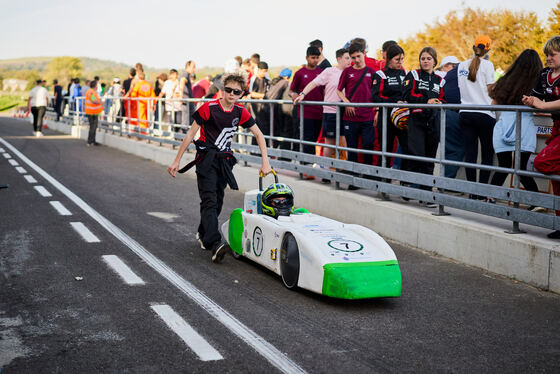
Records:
x=43, y=191
x=272, y=354
x=13, y=162
x=197, y=343
x=21, y=170
x=84, y=232
x=61, y=209
x=2, y=150
x=7, y=155
x=30, y=179
x=123, y=270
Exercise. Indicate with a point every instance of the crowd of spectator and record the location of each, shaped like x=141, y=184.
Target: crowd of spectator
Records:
x=359, y=78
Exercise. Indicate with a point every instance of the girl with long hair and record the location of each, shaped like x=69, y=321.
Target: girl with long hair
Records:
x=518, y=81
x=474, y=76
x=423, y=86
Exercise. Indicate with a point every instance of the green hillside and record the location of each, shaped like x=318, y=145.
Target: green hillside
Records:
x=40, y=63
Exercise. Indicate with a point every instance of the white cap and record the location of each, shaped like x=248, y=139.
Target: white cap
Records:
x=116, y=80
x=449, y=60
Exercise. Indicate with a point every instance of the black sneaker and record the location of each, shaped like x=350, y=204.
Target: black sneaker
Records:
x=554, y=235
x=219, y=251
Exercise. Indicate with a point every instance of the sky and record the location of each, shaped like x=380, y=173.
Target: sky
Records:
x=166, y=33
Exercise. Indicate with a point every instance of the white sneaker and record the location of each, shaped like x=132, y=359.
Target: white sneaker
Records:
x=200, y=241
x=37, y=134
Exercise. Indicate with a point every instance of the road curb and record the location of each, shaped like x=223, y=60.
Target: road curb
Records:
x=528, y=259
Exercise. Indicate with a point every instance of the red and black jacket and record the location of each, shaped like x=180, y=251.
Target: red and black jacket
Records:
x=421, y=86
x=388, y=86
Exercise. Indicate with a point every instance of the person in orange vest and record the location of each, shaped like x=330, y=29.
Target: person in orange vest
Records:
x=93, y=107
x=143, y=88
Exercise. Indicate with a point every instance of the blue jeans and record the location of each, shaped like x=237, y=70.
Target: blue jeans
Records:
x=454, y=146
x=352, y=132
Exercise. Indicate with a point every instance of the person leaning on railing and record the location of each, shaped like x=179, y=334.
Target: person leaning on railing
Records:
x=509, y=90
x=547, y=88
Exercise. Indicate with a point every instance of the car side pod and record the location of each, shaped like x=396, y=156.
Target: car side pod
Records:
x=362, y=280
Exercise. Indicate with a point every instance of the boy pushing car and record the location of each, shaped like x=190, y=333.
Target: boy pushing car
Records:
x=217, y=121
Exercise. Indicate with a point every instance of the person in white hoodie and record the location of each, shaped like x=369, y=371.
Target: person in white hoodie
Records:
x=474, y=77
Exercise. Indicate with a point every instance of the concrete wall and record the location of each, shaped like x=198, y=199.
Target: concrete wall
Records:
x=530, y=259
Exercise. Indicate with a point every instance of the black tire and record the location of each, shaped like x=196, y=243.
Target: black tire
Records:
x=289, y=261
x=236, y=255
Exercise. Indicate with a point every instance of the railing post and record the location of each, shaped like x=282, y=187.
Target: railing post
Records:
x=271, y=127
x=442, y=124
x=301, y=133
x=516, y=166
x=384, y=196
x=337, y=141
x=128, y=120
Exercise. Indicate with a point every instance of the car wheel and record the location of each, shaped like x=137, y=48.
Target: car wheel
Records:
x=289, y=261
x=236, y=255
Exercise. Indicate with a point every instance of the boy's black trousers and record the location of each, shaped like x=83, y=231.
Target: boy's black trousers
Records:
x=211, y=186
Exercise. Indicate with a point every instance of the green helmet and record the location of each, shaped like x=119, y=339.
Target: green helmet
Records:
x=277, y=200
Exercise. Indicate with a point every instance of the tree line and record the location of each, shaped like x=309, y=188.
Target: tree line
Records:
x=511, y=33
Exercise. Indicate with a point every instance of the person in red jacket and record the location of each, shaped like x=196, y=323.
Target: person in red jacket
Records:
x=546, y=95
x=423, y=86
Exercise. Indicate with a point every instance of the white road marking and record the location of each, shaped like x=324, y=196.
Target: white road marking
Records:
x=263, y=347
x=61, y=209
x=122, y=270
x=84, y=232
x=21, y=170
x=13, y=162
x=30, y=179
x=169, y=217
x=197, y=343
x=7, y=155
x=43, y=191
x=2, y=150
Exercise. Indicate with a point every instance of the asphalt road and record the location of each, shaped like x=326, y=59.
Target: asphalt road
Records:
x=64, y=309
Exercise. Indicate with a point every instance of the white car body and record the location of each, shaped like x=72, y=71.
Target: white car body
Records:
x=335, y=259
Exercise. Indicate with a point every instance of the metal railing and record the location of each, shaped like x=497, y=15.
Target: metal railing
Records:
x=411, y=185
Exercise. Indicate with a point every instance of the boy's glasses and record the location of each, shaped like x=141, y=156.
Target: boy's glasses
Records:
x=234, y=90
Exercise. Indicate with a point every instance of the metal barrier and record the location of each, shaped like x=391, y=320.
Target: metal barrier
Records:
x=411, y=185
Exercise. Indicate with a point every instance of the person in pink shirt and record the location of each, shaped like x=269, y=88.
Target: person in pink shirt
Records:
x=329, y=79
x=312, y=114
x=355, y=87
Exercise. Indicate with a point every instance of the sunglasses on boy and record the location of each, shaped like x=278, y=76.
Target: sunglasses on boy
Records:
x=234, y=90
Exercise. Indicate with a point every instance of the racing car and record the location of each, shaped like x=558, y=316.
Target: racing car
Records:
x=309, y=251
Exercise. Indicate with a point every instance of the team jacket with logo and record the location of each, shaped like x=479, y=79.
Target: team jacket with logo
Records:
x=218, y=126
x=548, y=89
x=420, y=86
x=388, y=86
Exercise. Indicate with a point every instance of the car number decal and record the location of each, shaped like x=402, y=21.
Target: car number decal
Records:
x=257, y=241
x=345, y=245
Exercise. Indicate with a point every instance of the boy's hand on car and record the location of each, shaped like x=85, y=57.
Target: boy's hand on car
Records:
x=265, y=169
